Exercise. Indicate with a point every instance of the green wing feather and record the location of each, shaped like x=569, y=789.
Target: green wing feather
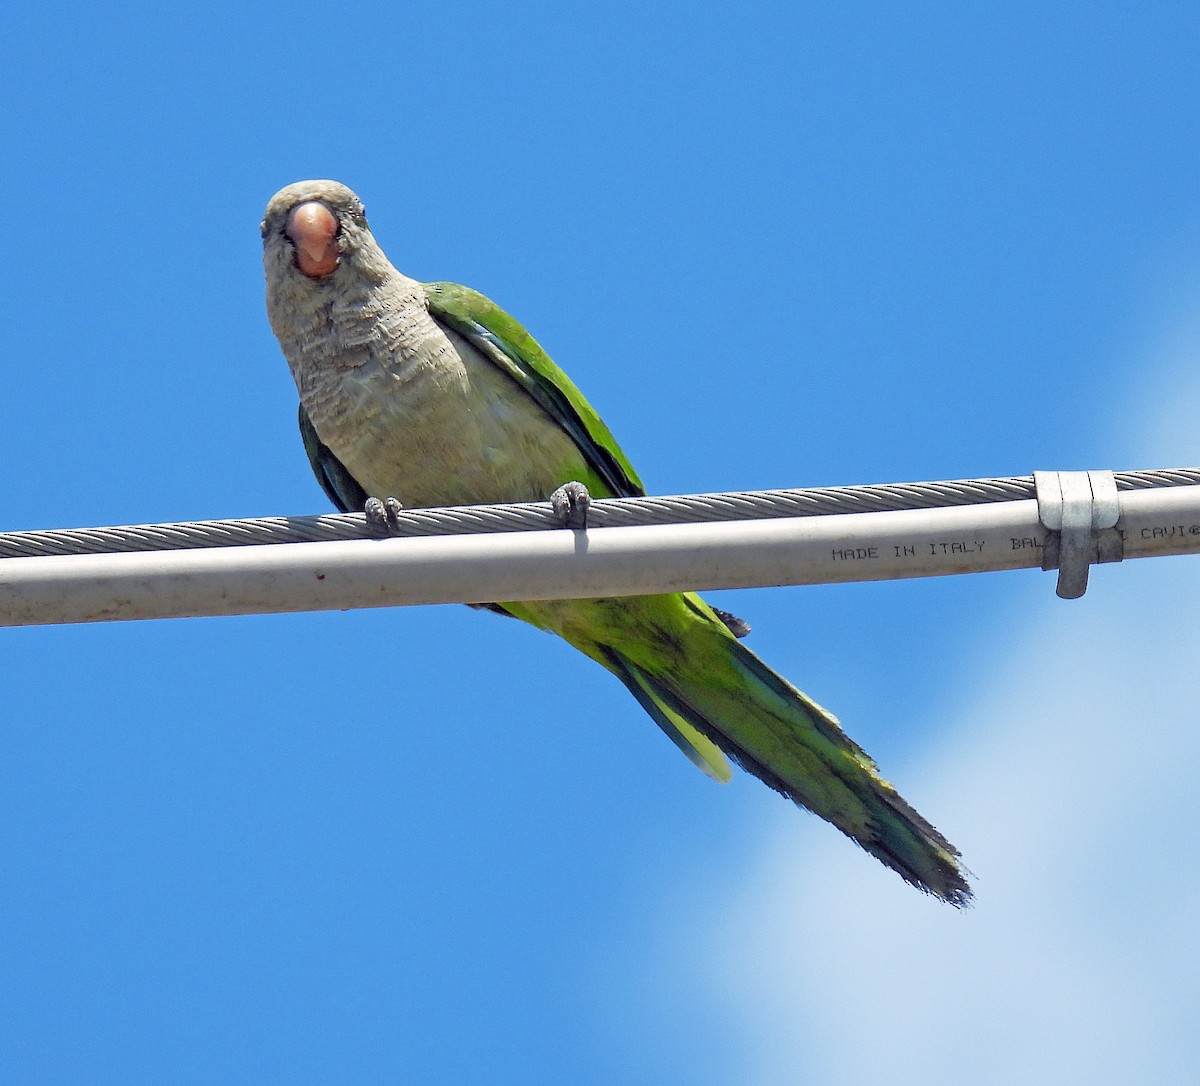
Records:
x=504, y=342
x=339, y=485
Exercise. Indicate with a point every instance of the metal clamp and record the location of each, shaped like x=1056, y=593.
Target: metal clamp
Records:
x=1079, y=510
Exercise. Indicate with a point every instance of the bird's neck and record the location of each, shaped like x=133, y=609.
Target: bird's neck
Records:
x=359, y=325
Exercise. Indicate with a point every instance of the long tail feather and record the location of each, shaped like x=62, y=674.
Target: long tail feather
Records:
x=701, y=751
x=792, y=744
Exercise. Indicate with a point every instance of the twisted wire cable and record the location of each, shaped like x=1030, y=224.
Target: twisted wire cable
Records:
x=538, y=516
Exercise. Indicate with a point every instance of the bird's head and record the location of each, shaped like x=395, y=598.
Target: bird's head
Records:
x=318, y=230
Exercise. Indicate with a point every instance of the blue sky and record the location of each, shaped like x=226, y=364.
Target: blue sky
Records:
x=788, y=245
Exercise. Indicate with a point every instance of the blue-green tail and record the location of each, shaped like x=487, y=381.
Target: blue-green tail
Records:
x=714, y=698
x=713, y=688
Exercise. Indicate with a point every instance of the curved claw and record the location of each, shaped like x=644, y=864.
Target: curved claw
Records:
x=383, y=516
x=571, y=502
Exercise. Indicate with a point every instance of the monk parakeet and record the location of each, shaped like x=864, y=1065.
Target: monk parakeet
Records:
x=429, y=394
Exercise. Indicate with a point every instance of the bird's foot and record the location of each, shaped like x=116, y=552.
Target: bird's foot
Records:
x=739, y=627
x=383, y=516
x=571, y=503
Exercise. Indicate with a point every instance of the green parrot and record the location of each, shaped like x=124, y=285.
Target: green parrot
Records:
x=429, y=394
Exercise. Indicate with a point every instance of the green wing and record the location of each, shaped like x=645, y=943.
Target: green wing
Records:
x=339, y=485
x=505, y=343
